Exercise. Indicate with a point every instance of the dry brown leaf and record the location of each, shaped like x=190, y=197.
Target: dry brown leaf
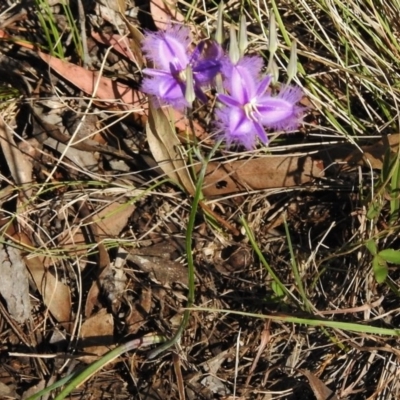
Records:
x=137, y=316
x=73, y=242
x=136, y=43
x=103, y=263
x=14, y=283
x=93, y=83
x=119, y=43
x=20, y=165
x=97, y=334
x=112, y=219
x=36, y=388
x=92, y=299
x=136, y=35
x=320, y=390
x=260, y=173
x=374, y=153
x=56, y=295
x=164, y=146
x=106, y=223
x=8, y=391
x=163, y=12
x=104, y=88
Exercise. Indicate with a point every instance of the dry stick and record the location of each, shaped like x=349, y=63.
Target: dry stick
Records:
x=363, y=307
x=222, y=221
x=179, y=378
x=265, y=339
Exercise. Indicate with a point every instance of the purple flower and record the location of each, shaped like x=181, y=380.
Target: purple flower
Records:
x=249, y=108
x=247, y=64
x=169, y=52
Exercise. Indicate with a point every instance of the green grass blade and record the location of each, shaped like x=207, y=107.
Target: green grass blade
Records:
x=261, y=257
x=189, y=254
x=310, y=321
x=78, y=378
x=295, y=269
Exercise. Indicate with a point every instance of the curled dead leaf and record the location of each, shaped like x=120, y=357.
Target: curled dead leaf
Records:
x=20, y=164
x=165, y=145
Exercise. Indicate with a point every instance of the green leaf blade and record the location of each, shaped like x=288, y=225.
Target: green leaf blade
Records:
x=390, y=255
x=380, y=269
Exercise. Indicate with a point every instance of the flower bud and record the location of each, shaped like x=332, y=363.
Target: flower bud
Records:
x=292, y=66
x=189, y=92
x=219, y=33
x=243, y=42
x=234, y=53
